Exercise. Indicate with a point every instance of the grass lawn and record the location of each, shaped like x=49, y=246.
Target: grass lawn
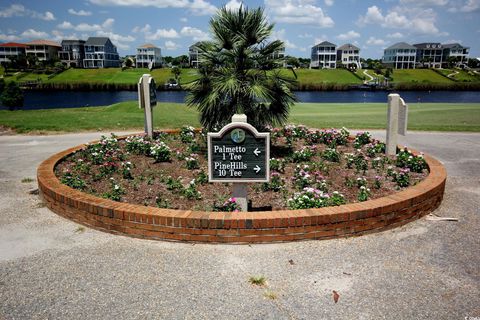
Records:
x=116, y=75
x=418, y=75
x=314, y=76
x=127, y=116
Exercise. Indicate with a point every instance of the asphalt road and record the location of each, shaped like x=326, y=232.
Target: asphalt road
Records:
x=52, y=268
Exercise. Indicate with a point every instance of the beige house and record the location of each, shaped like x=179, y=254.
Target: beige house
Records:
x=44, y=50
x=349, y=56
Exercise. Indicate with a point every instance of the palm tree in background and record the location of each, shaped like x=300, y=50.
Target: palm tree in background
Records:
x=239, y=72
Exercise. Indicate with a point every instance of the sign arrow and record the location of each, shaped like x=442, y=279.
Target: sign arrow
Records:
x=257, y=152
x=257, y=169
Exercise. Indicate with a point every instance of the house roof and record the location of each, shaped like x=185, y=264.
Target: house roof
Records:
x=401, y=45
x=348, y=46
x=13, y=44
x=424, y=45
x=453, y=45
x=148, y=45
x=325, y=44
x=73, y=41
x=195, y=45
x=97, y=41
x=43, y=42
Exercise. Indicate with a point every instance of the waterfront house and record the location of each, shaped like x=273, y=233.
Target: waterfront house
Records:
x=430, y=54
x=100, y=52
x=401, y=55
x=149, y=56
x=324, y=56
x=457, y=51
x=11, y=49
x=193, y=55
x=349, y=56
x=72, y=53
x=44, y=50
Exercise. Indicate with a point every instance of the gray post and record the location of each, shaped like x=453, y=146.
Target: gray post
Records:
x=396, y=121
x=240, y=190
x=144, y=102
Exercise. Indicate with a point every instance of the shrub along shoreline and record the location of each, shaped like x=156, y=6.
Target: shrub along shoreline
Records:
x=327, y=86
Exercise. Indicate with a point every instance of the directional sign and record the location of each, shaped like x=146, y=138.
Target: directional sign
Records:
x=238, y=153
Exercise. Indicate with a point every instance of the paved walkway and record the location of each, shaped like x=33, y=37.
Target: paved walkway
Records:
x=52, y=268
x=365, y=72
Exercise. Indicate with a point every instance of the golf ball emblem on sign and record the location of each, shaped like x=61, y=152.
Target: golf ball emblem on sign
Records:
x=237, y=135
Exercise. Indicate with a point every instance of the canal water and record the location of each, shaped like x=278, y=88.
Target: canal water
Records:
x=75, y=99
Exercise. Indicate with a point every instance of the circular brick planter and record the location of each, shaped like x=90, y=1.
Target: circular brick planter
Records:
x=241, y=227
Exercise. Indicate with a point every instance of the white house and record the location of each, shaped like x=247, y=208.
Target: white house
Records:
x=149, y=56
x=324, y=56
x=401, y=55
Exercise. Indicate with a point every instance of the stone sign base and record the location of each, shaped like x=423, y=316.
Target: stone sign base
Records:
x=241, y=227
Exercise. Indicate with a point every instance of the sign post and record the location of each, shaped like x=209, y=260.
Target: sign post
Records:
x=397, y=117
x=240, y=154
x=147, y=99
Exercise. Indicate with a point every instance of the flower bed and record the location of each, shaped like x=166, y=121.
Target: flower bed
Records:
x=309, y=169
x=374, y=176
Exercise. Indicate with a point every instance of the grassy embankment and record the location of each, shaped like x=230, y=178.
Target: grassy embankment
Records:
x=127, y=116
x=308, y=79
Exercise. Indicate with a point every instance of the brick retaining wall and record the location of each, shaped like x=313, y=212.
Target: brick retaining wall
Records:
x=241, y=227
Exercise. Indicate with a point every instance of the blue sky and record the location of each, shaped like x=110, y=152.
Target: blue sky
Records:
x=173, y=25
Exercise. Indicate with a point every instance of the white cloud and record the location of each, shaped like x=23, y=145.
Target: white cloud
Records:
x=453, y=41
x=12, y=11
x=85, y=27
x=197, y=7
x=280, y=35
x=373, y=16
x=376, y=42
x=196, y=34
x=79, y=12
x=305, y=35
x=170, y=45
x=47, y=16
x=115, y=37
x=328, y=3
x=319, y=39
x=60, y=35
x=65, y=25
x=470, y=6
x=33, y=34
x=396, y=35
x=349, y=35
x=143, y=29
x=8, y=37
x=416, y=20
x=298, y=12
x=183, y=19
x=162, y=33
x=18, y=10
x=425, y=2
x=233, y=5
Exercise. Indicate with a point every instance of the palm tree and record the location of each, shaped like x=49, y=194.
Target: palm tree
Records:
x=239, y=73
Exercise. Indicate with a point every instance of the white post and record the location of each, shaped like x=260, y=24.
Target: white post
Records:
x=144, y=102
x=397, y=118
x=392, y=123
x=240, y=190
